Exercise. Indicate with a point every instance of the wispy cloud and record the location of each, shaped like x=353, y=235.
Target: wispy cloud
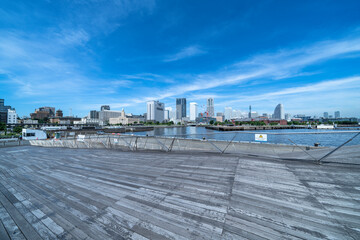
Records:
x=73, y=37
x=121, y=83
x=287, y=62
x=99, y=17
x=281, y=64
x=37, y=66
x=284, y=63
x=151, y=77
x=187, y=52
x=323, y=86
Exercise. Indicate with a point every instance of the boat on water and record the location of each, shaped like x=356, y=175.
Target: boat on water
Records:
x=323, y=126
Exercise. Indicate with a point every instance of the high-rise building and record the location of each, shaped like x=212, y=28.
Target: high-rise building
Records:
x=94, y=114
x=155, y=111
x=337, y=114
x=326, y=115
x=250, y=112
x=287, y=116
x=166, y=114
x=193, y=111
x=105, y=107
x=210, y=107
x=180, y=108
x=279, y=112
x=228, y=113
x=3, y=111
x=170, y=111
x=11, y=116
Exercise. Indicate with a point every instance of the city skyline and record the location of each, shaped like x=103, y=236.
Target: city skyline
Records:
x=124, y=54
x=188, y=111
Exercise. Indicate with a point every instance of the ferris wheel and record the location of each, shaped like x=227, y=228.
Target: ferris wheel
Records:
x=204, y=112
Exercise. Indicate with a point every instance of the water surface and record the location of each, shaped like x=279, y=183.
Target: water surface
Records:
x=298, y=136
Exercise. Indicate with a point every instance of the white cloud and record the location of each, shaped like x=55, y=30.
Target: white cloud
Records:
x=187, y=52
x=284, y=63
x=73, y=37
x=316, y=89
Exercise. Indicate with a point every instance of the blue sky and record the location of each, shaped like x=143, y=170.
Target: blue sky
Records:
x=86, y=53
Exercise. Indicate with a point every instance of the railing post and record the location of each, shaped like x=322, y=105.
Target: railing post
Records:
x=213, y=144
x=328, y=154
x=229, y=143
x=302, y=149
x=162, y=145
x=171, y=145
x=136, y=143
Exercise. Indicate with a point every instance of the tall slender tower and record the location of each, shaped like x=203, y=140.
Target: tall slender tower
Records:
x=193, y=111
x=249, y=111
x=180, y=108
x=210, y=107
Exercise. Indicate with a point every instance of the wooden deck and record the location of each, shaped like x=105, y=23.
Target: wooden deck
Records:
x=53, y=193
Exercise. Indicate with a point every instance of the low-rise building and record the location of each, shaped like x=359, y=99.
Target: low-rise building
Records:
x=124, y=119
x=59, y=113
x=89, y=121
x=105, y=115
x=219, y=118
x=64, y=120
x=42, y=113
x=11, y=116
x=30, y=121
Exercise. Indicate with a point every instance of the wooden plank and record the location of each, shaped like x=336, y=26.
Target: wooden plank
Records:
x=20, y=221
x=136, y=195
x=3, y=234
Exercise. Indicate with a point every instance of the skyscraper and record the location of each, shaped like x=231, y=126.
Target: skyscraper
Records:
x=166, y=114
x=250, y=111
x=3, y=111
x=94, y=114
x=279, y=112
x=155, y=111
x=193, y=111
x=326, y=115
x=170, y=112
x=337, y=114
x=180, y=108
x=228, y=113
x=210, y=107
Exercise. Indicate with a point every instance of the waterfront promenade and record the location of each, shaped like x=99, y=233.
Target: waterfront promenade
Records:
x=49, y=193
